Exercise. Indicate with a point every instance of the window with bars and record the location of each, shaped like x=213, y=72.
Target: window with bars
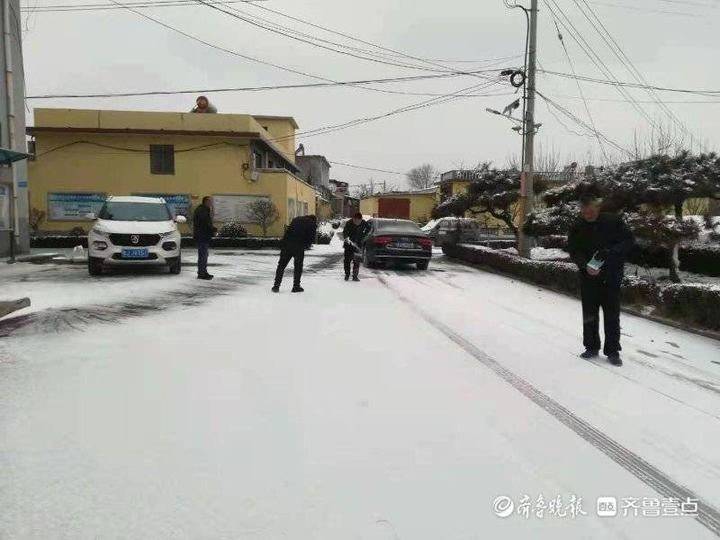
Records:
x=162, y=159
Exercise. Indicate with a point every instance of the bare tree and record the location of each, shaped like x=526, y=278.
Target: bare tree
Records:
x=363, y=190
x=360, y=191
x=545, y=161
x=264, y=213
x=422, y=177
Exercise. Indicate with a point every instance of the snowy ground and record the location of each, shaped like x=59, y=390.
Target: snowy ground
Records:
x=401, y=407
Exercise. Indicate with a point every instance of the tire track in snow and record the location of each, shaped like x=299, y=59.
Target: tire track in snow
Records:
x=708, y=515
x=58, y=320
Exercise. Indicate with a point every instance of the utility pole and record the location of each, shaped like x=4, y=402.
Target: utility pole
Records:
x=527, y=196
x=10, y=119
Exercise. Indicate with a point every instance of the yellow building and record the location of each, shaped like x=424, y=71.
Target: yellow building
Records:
x=458, y=182
x=82, y=156
x=414, y=205
x=454, y=183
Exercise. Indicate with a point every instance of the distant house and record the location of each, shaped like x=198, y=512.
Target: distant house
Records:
x=414, y=205
x=343, y=204
x=454, y=182
x=315, y=170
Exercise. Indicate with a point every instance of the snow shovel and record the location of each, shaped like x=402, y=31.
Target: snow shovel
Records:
x=357, y=256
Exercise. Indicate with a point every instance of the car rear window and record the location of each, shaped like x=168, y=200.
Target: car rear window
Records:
x=135, y=211
x=400, y=227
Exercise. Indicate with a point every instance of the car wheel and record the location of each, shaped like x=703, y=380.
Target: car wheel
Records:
x=176, y=266
x=94, y=266
x=423, y=265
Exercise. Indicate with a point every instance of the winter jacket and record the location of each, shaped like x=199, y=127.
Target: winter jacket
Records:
x=203, y=229
x=356, y=233
x=300, y=232
x=608, y=236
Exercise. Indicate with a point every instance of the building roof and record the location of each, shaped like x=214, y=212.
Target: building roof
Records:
x=314, y=156
x=286, y=118
x=237, y=126
x=427, y=191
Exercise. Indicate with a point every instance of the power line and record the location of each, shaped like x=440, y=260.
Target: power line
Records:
x=435, y=62
x=255, y=59
x=297, y=36
x=582, y=124
x=675, y=102
x=578, y=37
x=582, y=94
x=57, y=8
x=126, y=149
x=364, y=120
x=267, y=87
x=618, y=51
x=632, y=85
x=646, y=10
x=365, y=168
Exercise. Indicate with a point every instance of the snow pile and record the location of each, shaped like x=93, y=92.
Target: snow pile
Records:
x=542, y=254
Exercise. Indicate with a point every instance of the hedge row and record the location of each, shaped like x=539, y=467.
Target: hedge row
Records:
x=56, y=242
x=699, y=259
x=697, y=305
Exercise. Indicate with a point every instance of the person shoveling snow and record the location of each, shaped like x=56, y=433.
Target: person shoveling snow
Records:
x=354, y=234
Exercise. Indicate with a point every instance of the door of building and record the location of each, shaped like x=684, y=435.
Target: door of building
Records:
x=394, y=208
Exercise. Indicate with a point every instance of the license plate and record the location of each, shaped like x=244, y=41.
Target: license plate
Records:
x=135, y=253
x=404, y=245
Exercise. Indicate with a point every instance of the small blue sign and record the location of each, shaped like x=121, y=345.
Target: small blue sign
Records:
x=22, y=183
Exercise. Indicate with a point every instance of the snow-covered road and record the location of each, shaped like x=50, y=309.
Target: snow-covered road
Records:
x=399, y=407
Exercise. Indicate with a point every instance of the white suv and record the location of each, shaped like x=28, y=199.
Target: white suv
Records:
x=134, y=231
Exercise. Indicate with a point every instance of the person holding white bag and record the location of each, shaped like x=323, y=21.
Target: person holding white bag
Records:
x=599, y=243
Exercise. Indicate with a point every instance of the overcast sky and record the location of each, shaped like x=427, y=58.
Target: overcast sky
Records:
x=117, y=50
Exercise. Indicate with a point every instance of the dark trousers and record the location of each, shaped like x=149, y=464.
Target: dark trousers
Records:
x=350, y=257
x=597, y=294
x=290, y=252
x=203, y=250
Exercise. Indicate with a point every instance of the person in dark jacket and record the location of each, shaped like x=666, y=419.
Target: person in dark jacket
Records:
x=604, y=241
x=298, y=237
x=354, y=233
x=203, y=231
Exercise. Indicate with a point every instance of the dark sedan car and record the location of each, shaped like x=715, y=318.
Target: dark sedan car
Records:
x=396, y=240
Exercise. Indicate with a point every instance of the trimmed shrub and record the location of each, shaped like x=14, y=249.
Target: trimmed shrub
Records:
x=701, y=259
x=498, y=244
x=697, y=305
x=697, y=258
x=234, y=229
x=555, y=241
x=324, y=237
